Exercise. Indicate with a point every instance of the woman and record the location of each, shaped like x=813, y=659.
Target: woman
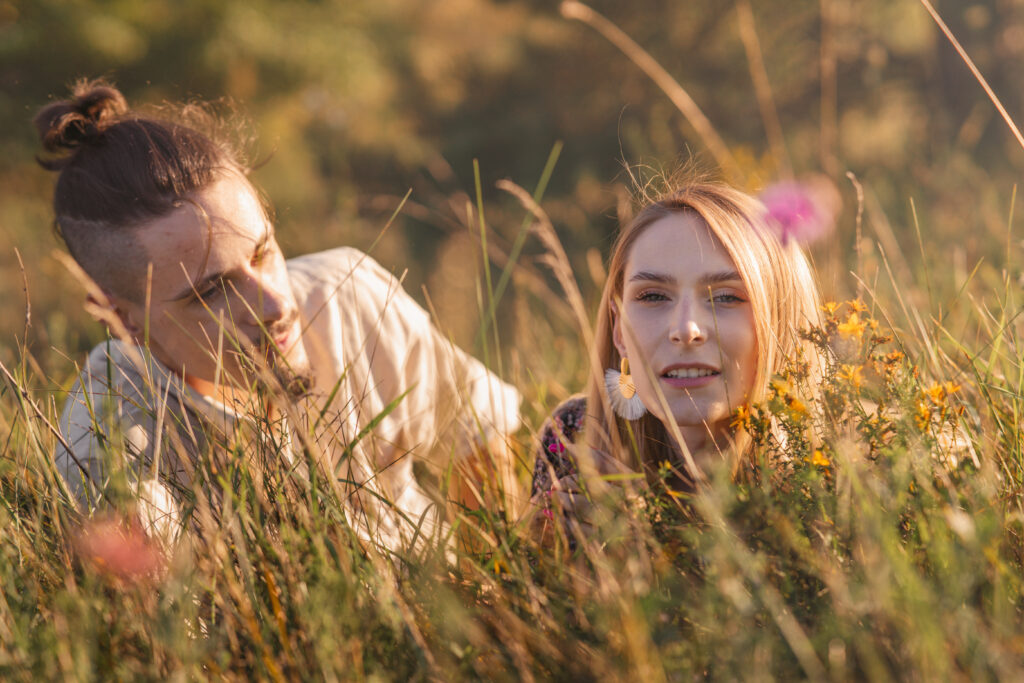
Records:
x=702, y=306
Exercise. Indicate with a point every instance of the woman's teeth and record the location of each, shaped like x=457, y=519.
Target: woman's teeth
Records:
x=690, y=373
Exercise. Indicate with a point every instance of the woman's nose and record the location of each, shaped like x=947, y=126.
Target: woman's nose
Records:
x=686, y=326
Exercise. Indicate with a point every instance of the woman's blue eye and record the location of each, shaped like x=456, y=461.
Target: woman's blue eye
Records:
x=727, y=298
x=651, y=296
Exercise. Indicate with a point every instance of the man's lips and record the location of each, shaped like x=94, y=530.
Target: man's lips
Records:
x=689, y=375
x=283, y=335
x=282, y=340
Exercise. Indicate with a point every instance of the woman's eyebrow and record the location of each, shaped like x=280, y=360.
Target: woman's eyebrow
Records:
x=706, y=280
x=719, y=277
x=649, y=276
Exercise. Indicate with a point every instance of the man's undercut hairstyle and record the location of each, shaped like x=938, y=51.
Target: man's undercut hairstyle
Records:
x=118, y=170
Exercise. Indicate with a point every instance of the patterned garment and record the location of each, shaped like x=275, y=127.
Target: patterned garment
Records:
x=557, y=435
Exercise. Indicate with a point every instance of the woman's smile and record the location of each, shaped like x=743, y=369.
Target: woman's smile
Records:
x=689, y=375
x=686, y=325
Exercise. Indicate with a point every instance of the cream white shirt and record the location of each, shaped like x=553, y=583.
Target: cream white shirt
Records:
x=361, y=328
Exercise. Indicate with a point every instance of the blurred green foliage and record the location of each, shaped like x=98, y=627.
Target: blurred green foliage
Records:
x=353, y=102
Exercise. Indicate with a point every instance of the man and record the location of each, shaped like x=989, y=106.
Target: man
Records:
x=213, y=327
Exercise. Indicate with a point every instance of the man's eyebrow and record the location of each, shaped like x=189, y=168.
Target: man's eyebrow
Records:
x=197, y=286
x=268, y=234
x=202, y=284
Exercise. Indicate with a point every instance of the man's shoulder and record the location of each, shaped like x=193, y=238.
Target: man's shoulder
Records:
x=110, y=382
x=108, y=362
x=353, y=285
x=109, y=386
x=331, y=268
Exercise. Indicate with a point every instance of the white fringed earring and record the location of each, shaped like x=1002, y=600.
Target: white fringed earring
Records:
x=622, y=392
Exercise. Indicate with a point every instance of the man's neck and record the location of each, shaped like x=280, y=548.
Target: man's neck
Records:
x=238, y=400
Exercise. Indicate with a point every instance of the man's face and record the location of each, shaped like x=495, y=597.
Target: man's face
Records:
x=220, y=299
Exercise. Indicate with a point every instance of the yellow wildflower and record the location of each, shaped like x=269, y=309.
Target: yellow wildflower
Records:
x=857, y=306
x=780, y=386
x=742, y=417
x=853, y=327
x=796, y=405
x=818, y=458
x=852, y=374
x=936, y=393
x=923, y=415
x=830, y=307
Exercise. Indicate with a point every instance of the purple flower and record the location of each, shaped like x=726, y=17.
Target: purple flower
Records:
x=556, y=447
x=802, y=211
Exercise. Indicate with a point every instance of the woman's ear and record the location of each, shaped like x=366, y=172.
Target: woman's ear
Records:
x=620, y=346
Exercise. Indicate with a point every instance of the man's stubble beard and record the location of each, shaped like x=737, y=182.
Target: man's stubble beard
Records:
x=293, y=375
x=295, y=380
x=277, y=373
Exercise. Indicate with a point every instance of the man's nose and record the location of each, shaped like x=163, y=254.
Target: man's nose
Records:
x=266, y=300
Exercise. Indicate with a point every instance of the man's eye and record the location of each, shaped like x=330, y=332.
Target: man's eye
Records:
x=209, y=292
x=262, y=253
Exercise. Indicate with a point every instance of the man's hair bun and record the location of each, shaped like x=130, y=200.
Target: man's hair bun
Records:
x=69, y=124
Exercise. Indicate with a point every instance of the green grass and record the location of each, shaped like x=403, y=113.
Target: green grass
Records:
x=880, y=539
x=879, y=533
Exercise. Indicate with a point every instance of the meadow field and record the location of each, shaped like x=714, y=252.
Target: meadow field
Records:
x=881, y=539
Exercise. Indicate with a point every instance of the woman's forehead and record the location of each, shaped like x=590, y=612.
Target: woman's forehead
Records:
x=678, y=243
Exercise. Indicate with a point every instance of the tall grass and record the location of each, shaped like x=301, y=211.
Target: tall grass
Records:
x=879, y=537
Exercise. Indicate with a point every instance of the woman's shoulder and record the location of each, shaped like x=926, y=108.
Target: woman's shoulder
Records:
x=558, y=433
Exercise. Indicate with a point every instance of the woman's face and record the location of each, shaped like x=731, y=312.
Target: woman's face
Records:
x=686, y=326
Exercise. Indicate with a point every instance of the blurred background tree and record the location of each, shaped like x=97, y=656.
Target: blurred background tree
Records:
x=354, y=102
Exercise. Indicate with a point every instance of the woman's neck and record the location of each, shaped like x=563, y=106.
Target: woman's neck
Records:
x=702, y=443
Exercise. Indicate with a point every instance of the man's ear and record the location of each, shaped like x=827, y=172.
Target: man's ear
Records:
x=116, y=313
x=617, y=330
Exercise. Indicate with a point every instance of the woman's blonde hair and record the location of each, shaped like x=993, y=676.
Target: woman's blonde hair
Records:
x=782, y=293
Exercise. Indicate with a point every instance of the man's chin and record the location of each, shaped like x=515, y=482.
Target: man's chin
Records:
x=293, y=372
x=270, y=372
x=296, y=381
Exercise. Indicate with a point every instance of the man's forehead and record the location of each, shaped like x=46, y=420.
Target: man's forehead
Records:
x=216, y=231
x=212, y=237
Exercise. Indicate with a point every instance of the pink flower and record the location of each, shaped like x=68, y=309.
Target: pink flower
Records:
x=118, y=549
x=804, y=211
